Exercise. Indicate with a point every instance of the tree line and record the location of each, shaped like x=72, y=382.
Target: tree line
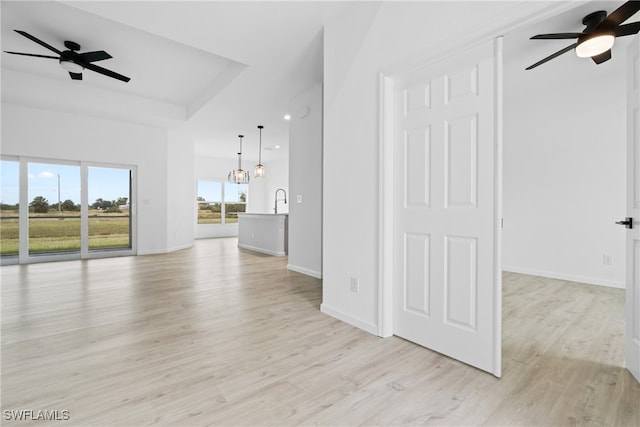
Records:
x=228, y=207
x=40, y=204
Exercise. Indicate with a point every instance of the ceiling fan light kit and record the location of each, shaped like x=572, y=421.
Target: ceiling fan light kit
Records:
x=594, y=45
x=599, y=35
x=71, y=66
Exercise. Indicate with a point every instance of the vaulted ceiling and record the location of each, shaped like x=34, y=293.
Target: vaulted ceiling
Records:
x=219, y=68
x=215, y=69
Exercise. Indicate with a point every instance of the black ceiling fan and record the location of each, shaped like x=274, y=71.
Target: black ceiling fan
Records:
x=596, y=40
x=71, y=60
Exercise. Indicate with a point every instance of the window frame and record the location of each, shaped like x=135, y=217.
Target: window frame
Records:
x=24, y=257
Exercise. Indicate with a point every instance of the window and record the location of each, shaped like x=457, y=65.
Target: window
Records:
x=220, y=203
x=209, y=202
x=235, y=201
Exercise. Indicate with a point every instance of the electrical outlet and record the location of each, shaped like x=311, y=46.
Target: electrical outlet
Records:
x=355, y=285
x=607, y=259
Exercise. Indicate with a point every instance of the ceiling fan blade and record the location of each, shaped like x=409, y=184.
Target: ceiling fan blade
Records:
x=75, y=76
x=627, y=30
x=603, y=57
x=32, y=54
x=621, y=14
x=98, y=55
x=40, y=42
x=106, y=72
x=550, y=57
x=556, y=36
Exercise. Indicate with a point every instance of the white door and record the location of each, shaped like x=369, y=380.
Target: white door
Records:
x=633, y=211
x=447, y=174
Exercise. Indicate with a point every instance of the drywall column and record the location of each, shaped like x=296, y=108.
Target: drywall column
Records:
x=180, y=190
x=305, y=183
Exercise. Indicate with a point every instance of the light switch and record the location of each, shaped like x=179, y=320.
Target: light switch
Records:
x=299, y=198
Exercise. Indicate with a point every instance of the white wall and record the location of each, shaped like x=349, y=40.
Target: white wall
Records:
x=564, y=181
x=262, y=191
x=305, y=183
x=180, y=191
x=52, y=135
x=360, y=43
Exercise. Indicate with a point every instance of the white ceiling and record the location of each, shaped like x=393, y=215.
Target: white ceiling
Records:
x=224, y=67
x=160, y=69
x=217, y=69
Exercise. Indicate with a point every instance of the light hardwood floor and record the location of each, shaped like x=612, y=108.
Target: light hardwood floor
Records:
x=214, y=335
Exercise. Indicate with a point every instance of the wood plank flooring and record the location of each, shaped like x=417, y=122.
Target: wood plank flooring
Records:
x=214, y=335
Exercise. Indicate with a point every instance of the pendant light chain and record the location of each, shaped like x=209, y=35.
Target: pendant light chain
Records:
x=239, y=176
x=259, y=170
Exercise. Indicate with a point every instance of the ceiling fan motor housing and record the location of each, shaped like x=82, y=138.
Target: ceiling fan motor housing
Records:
x=71, y=45
x=594, y=19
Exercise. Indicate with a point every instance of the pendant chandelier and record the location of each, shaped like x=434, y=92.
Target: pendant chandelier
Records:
x=239, y=176
x=259, y=170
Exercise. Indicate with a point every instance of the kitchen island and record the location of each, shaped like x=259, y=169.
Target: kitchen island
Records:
x=266, y=233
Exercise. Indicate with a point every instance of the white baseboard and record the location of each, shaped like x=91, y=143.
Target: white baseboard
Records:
x=166, y=250
x=261, y=250
x=353, y=321
x=305, y=271
x=562, y=276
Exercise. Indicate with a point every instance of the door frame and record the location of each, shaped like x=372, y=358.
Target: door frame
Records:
x=385, y=153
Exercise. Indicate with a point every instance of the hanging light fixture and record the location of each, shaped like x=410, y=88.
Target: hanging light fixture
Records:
x=239, y=176
x=259, y=171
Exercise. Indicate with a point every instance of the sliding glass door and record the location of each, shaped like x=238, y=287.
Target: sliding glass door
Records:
x=109, y=216
x=57, y=210
x=54, y=208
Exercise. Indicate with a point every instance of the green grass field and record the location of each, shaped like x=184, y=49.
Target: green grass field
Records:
x=209, y=217
x=61, y=233
x=48, y=234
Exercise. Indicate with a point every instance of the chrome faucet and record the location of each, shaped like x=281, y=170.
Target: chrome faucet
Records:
x=275, y=204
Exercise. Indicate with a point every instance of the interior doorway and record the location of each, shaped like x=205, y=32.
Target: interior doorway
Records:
x=576, y=154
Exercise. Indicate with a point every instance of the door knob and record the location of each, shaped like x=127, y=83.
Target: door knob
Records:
x=628, y=222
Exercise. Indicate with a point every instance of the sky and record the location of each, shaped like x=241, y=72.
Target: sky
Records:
x=212, y=191
x=104, y=183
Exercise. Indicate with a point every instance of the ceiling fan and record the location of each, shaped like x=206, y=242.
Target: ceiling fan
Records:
x=71, y=60
x=596, y=40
